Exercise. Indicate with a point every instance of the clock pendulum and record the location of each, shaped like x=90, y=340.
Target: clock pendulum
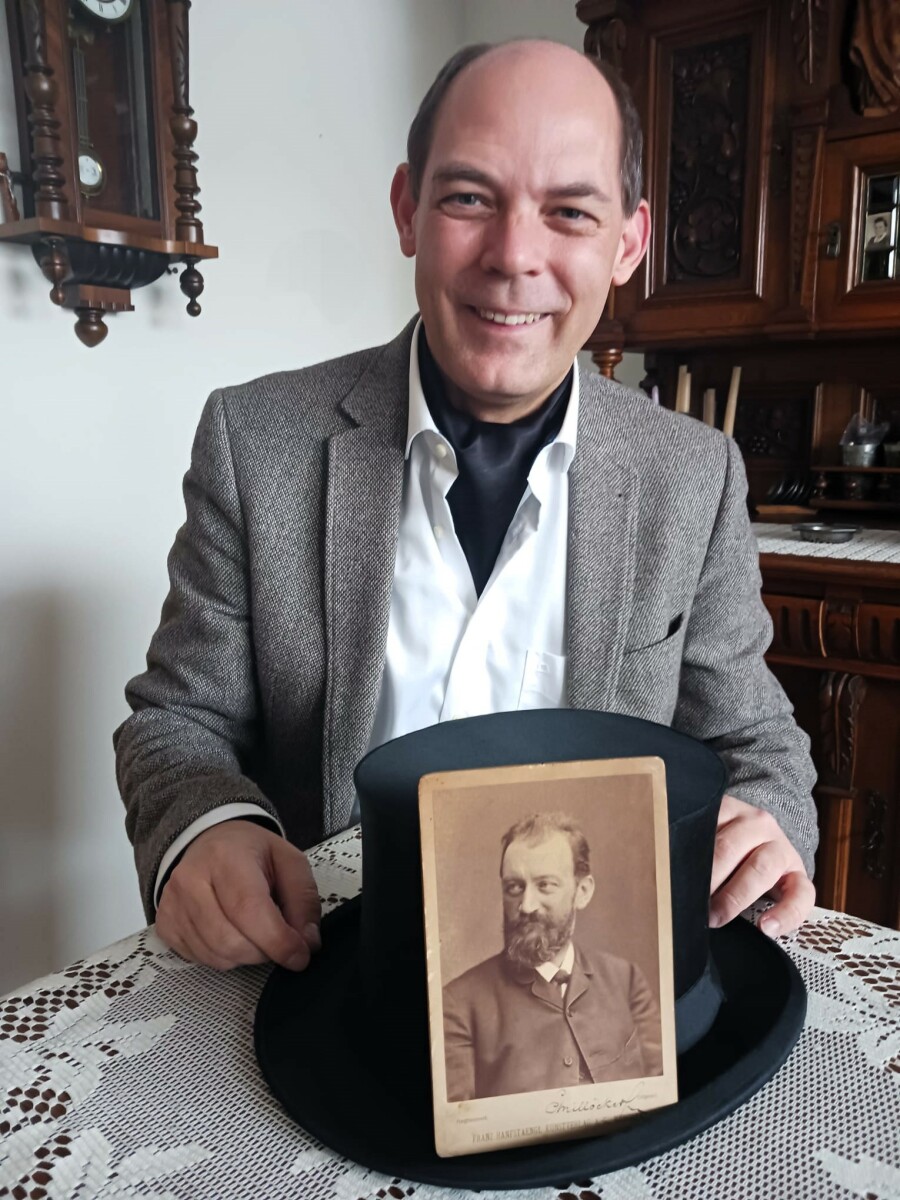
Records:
x=91, y=172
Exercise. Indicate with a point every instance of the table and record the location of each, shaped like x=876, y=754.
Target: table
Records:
x=132, y=1073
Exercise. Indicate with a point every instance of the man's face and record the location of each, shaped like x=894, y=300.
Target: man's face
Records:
x=540, y=898
x=519, y=219
x=880, y=227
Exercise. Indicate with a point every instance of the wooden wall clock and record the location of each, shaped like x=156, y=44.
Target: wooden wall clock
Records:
x=106, y=135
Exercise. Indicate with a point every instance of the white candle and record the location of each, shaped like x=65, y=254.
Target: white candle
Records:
x=683, y=390
x=709, y=407
x=731, y=405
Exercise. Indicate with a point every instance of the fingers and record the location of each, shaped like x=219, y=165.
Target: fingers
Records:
x=297, y=893
x=220, y=905
x=760, y=871
x=796, y=896
x=247, y=902
x=753, y=858
x=191, y=921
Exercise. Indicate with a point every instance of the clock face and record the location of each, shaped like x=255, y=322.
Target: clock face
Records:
x=108, y=10
x=90, y=173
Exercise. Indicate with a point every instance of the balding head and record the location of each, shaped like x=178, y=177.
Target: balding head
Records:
x=547, y=63
x=517, y=222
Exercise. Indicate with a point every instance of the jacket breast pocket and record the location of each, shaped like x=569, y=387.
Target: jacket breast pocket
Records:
x=649, y=677
x=650, y=639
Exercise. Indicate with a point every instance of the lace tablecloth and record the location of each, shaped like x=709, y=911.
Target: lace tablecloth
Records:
x=132, y=1073
x=869, y=545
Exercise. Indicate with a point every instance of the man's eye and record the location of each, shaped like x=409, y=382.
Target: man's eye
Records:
x=513, y=889
x=465, y=199
x=573, y=214
x=548, y=887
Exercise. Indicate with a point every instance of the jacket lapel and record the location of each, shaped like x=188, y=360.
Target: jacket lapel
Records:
x=364, y=493
x=578, y=984
x=603, y=497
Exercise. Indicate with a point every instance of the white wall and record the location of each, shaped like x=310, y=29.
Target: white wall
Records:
x=303, y=110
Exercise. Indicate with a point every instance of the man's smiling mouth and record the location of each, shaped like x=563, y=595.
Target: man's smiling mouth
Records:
x=500, y=318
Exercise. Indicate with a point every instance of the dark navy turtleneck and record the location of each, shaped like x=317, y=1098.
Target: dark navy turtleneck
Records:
x=493, y=461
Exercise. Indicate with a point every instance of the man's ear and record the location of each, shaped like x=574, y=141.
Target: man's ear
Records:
x=403, y=206
x=633, y=246
x=584, y=890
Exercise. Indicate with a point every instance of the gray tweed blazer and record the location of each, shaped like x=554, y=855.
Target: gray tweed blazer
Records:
x=263, y=676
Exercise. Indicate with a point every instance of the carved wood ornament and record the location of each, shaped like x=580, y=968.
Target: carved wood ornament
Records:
x=875, y=55
x=840, y=697
x=708, y=134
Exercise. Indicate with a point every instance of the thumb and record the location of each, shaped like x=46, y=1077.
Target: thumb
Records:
x=295, y=890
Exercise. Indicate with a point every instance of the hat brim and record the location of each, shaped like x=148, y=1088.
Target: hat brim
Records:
x=320, y=1063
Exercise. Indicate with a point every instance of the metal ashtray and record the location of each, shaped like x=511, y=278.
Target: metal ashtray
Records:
x=818, y=531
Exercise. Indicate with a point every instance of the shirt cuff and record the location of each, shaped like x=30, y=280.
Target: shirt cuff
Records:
x=215, y=816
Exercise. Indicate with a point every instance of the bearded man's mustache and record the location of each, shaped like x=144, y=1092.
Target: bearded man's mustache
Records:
x=533, y=938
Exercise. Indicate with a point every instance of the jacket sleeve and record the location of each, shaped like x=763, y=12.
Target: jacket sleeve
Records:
x=645, y=1012
x=727, y=695
x=185, y=749
x=459, y=1049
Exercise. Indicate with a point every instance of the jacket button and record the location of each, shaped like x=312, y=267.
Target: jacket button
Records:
x=568, y=1061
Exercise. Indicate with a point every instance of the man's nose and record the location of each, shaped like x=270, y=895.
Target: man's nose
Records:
x=530, y=901
x=515, y=244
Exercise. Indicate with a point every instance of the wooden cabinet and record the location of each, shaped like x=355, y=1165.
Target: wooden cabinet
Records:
x=836, y=651
x=772, y=166
x=761, y=140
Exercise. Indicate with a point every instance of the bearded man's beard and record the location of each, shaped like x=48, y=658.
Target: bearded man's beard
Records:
x=533, y=938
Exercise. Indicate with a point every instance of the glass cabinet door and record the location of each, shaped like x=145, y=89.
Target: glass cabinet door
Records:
x=859, y=235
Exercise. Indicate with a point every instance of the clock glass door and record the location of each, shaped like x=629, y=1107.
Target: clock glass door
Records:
x=116, y=139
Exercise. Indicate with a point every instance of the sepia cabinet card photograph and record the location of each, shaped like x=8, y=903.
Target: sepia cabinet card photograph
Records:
x=548, y=926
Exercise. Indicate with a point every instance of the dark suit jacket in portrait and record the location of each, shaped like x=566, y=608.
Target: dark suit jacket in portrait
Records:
x=263, y=677
x=508, y=1030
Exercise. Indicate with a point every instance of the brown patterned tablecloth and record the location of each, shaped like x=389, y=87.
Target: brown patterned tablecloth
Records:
x=132, y=1074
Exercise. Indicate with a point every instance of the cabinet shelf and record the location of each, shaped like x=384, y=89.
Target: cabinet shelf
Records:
x=858, y=470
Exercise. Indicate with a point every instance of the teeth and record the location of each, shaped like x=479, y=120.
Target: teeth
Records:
x=511, y=319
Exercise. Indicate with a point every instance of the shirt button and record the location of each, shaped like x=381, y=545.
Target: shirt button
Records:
x=568, y=1061
x=439, y=531
x=440, y=450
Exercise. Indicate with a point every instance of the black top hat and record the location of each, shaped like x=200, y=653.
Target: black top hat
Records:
x=344, y=1045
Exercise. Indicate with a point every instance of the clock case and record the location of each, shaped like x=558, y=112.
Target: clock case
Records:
x=94, y=257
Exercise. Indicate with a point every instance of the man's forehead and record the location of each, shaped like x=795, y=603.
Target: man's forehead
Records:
x=550, y=850
x=509, y=102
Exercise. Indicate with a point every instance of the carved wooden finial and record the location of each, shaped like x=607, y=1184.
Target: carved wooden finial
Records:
x=89, y=328
x=191, y=283
x=607, y=360
x=55, y=266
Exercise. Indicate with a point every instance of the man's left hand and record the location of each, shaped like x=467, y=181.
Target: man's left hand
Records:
x=753, y=858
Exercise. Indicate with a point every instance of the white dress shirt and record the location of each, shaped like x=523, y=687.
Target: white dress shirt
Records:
x=451, y=653
x=548, y=969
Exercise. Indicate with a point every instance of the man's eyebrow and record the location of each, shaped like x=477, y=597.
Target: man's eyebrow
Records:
x=578, y=190
x=460, y=170
x=581, y=190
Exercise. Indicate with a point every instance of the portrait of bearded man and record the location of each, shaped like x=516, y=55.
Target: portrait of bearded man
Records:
x=546, y=1012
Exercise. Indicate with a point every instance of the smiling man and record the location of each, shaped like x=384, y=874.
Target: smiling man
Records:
x=545, y=1012
x=455, y=523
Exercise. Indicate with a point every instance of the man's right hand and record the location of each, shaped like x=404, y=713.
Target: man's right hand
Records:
x=241, y=894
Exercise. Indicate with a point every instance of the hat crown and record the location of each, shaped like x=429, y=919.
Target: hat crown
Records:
x=392, y=940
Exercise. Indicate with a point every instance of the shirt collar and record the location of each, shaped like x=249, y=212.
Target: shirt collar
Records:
x=548, y=969
x=420, y=419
